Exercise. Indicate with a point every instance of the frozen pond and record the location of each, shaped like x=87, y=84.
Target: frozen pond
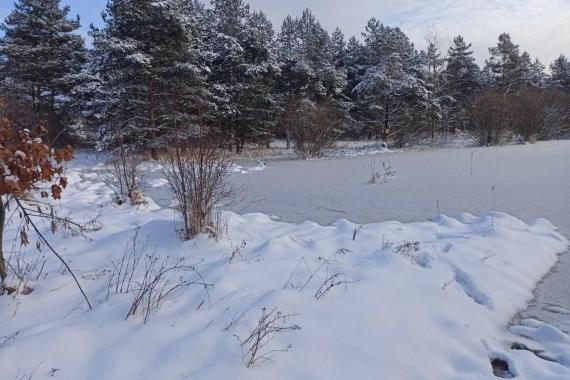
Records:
x=529, y=182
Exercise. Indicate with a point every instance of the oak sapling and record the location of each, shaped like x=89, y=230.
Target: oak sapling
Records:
x=27, y=163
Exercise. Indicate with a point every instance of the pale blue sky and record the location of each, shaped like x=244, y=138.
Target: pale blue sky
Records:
x=542, y=27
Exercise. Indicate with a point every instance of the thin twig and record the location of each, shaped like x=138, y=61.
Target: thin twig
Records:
x=41, y=236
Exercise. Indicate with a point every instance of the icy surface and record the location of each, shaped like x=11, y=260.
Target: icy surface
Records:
x=530, y=181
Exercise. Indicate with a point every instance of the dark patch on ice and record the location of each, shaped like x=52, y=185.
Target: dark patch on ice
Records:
x=501, y=368
x=556, y=309
x=538, y=353
x=452, y=236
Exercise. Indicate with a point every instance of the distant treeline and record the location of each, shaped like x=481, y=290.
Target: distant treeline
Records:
x=159, y=69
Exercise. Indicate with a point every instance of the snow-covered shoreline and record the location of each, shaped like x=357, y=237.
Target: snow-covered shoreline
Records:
x=435, y=309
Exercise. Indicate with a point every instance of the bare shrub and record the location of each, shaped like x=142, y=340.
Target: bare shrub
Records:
x=537, y=114
x=27, y=266
x=127, y=175
x=409, y=250
x=255, y=348
x=219, y=226
x=151, y=279
x=447, y=283
x=331, y=282
x=375, y=176
x=324, y=264
x=388, y=172
x=163, y=280
x=355, y=232
x=531, y=114
x=409, y=126
x=23, y=375
x=556, y=116
x=315, y=128
x=407, y=246
x=121, y=275
x=25, y=271
x=488, y=119
x=526, y=112
x=236, y=252
x=5, y=339
x=197, y=171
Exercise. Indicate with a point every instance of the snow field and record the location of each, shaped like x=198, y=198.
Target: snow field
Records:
x=422, y=300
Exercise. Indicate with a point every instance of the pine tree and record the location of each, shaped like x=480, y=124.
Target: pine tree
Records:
x=463, y=79
x=392, y=84
x=258, y=104
x=309, y=59
x=311, y=67
x=532, y=71
x=316, y=59
x=41, y=56
x=355, y=70
x=149, y=57
x=287, y=87
x=560, y=74
x=242, y=73
x=338, y=46
x=227, y=20
x=504, y=66
x=355, y=62
x=438, y=98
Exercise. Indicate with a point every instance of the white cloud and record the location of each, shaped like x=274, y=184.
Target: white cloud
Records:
x=542, y=27
x=538, y=26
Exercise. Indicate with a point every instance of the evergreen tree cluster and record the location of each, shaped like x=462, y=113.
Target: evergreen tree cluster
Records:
x=158, y=66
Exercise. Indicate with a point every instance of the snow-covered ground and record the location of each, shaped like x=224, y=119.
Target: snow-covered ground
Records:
x=351, y=148
x=423, y=300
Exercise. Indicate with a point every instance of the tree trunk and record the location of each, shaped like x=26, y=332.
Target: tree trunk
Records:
x=33, y=96
x=151, y=125
x=3, y=272
x=386, y=122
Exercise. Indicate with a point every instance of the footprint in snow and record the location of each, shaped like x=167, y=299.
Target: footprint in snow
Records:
x=471, y=290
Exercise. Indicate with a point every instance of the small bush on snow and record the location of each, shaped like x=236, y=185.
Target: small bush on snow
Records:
x=255, y=347
x=375, y=175
x=127, y=174
x=197, y=171
x=150, y=279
